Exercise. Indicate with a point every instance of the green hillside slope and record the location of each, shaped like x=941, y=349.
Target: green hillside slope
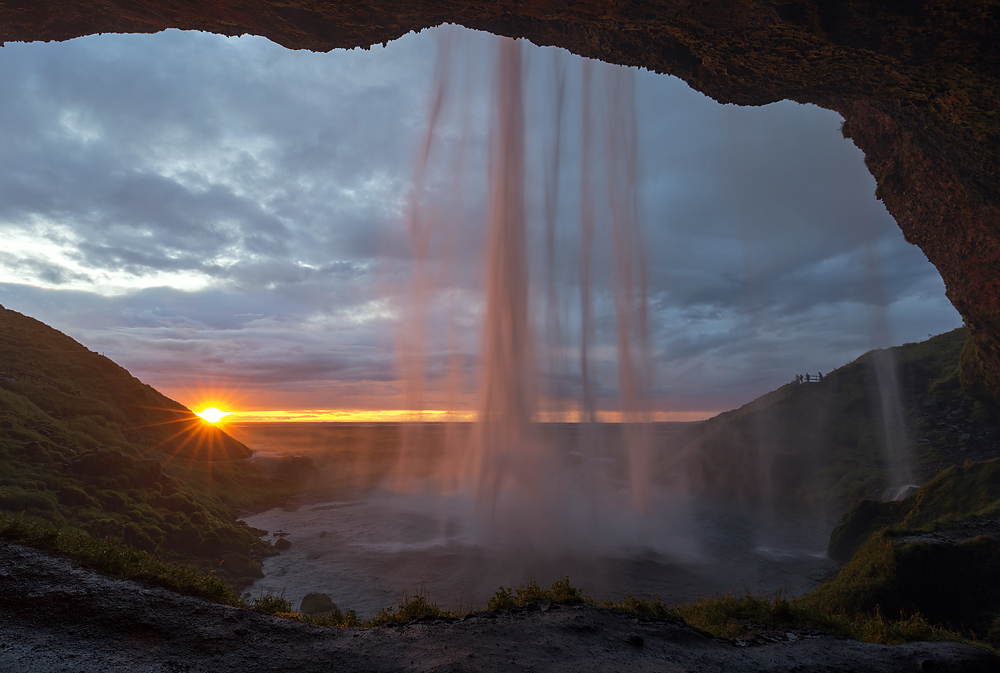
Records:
x=86, y=446
x=821, y=443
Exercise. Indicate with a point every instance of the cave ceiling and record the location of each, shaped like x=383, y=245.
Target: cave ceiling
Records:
x=915, y=80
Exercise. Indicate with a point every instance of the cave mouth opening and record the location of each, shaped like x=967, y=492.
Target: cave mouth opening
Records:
x=229, y=199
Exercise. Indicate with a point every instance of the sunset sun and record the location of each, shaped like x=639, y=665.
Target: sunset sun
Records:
x=212, y=414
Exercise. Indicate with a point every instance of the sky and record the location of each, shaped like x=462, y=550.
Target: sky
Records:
x=227, y=219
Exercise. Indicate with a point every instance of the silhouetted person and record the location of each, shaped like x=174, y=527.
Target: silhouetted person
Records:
x=821, y=376
x=807, y=378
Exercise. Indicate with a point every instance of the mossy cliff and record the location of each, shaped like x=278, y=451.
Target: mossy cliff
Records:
x=86, y=446
x=918, y=84
x=969, y=492
x=936, y=553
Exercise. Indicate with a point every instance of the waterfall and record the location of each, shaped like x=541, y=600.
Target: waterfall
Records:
x=537, y=344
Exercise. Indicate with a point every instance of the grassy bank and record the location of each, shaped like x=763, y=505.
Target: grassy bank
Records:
x=112, y=556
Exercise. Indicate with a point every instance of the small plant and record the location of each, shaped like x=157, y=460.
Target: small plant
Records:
x=503, y=598
x=271, y=604
x=564, y=592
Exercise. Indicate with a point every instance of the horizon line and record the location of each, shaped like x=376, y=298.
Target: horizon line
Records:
x=443, y=415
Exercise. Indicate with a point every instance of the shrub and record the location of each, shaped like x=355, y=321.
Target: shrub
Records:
x=16, y=499
x=503, y=598
x=112, y=501
x=73, y=497
x=178, y=502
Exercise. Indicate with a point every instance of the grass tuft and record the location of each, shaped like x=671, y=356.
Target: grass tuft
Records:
x=268, y=603
x=560, y=592
x=409, y=608
x=653, y=609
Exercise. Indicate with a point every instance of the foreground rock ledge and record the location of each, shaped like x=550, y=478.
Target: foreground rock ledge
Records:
x=56, y=616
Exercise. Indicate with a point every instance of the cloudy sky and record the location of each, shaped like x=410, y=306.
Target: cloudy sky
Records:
x=227, y=218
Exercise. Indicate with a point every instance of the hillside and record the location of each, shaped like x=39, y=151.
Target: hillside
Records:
x=821, y=443
x=87, y=446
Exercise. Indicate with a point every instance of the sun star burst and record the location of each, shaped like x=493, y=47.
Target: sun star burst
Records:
x=212, y=414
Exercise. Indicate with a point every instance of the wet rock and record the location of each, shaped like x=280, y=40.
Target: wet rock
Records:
x=282, y=544
x=634, y=639
x=315, y=604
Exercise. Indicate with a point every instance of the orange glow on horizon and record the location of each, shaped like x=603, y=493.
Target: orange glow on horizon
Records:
x=439, y=415
x=253, y=408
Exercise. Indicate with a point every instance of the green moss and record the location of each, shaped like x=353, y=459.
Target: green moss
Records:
x=958, y=493
x=952, y=585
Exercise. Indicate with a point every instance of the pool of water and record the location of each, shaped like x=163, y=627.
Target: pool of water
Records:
x=365, y=552
x=400, y=516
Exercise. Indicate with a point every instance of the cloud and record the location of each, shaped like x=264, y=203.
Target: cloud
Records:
x=202, y=206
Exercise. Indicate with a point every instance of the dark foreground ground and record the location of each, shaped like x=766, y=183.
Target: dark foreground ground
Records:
x=55, y=616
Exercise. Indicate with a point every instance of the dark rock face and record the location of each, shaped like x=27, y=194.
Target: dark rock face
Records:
x=917, y=83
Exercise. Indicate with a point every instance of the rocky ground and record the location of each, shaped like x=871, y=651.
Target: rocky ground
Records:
x=55, y=616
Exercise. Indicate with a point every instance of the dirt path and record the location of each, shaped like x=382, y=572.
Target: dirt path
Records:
x=55, y=616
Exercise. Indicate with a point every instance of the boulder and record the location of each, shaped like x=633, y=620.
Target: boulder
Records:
x=315, y=604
